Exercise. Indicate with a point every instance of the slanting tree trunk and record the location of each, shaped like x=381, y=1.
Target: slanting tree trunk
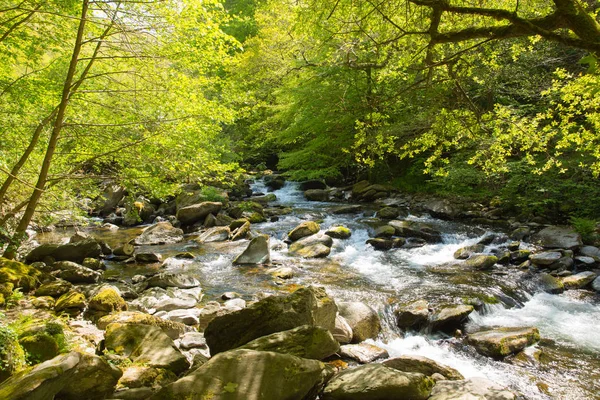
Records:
x=56, y=129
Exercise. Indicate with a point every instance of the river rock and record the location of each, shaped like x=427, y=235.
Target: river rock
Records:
x=312, y=184
x=596, y=284
x=314, y=246
x=145, y=344
x=160, y=233
x=55, y=288
x=578, y=281
x=170, y=328
x=473, y=388
x=190, y=316
x=215, y=234
x=449, y=317
x=173, y=279
x=382, y=244
x=107, y=300
x=18, y=275
x=545, y=258
x=257, y=252
x=42, y=382
x=198, y=212
x=549, y=283
x=417, y=230
x=158, y=299
x=590, y=251
x=265, y=199
x=316, y=195
x=75, y=252
x=148, y=257
x=339, y=232
x=305, y=341
x=347, y=209
x=466, y=252
x=385, y=231
x=306, y=306
x=138, y=376
x=241, y=232
x=109, y=199
x=363, y=320
x=233, y=376
x=342, y=331
x=305, y=229
x=519, y=256
x=558, y=237
x=585, y=261
x=193, y=340
x=412, y=315
x=422, y=365
x=388, y=213
x=377, y=382
x=501, y=342
x=94, y=379
x=75, y=273
x=72, y=303
x=274, y=182
x=520, y=233
x=480, y=262
x=364, y=353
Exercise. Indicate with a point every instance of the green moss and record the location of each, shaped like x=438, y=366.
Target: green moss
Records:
x=108, y=300
x=12, y=356
x=39, y=347
x=256, y=218
x=18, y=274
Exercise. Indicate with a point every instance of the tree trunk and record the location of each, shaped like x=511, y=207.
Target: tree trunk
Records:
x=56, y=129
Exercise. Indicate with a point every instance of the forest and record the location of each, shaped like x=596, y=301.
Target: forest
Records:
x=178, y=174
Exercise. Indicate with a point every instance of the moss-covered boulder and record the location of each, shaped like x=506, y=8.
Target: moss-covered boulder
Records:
x=449, y=317
x=412, y=315
x=304, y=229
x=377, y=382
x=12, y=356
x=339, y=232
x=145, y=344
x=247, y=374
x=138, y=376
x=314, y=246
x=422, y=365
x=18, y=274
x=72, y=303
x=76, y=252
x=106, y=301
x=55, y=288
x=39, y=347
x=95, y=379
x=501, y=342
x=305, y=341
x=170, y=328
x=306, y=306
x=75, y=273
x=480, y=262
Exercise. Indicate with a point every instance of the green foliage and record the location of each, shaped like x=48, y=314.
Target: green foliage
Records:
x=209, y=193
x=14, y=298
x=12, y=356
x=586, y=228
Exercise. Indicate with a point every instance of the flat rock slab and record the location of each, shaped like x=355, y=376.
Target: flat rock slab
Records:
x=364, y=353
x=377, y=382
x=470, y=389
x=558, y=237
x=501, y=342
x=449, y=317
x=579, y=280
x=160, y=233
x=422, y=365
x=545, y=258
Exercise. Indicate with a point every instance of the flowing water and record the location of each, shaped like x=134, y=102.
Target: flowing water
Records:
x=564, y=365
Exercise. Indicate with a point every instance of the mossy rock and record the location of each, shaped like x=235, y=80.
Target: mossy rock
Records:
x=256, y=218
x=72, y=303
x=171, y=328
x=39, y=347
x=20, y=275
x=107, y=300
x=12, y=356
x=338, y=232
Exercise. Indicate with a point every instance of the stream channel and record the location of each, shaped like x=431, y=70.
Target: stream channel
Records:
x=565, y=364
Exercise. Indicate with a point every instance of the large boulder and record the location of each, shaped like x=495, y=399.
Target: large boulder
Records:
x=578, y=281
x=363, y=320
x=480, y=262
x=339, y=232
x=158, y=299
x=160, y=233
x=314, y=246
x=465, y=252
x=549, y=283
x=412, y=315
x=558, y=237
x=304, y=229
x=18, y=275
x=422, y=365
x=257, y=252
x=377, y=382
x=193, y=194
x=545, y=258
x=94, y=379
x=250, y=375
x=501, y=342
x=145, y=344
x=474, y=388
x=110, y=199
x=107, y=300
x=42, y=382
x=342, y=331
x=76, y=252
x=198, y=212
x=306, y=306
x=304, y=341
x=172, y=329
x=72, y=303
x=75, y=273
x=416, y=230
x=449, y=317
x=312, y=184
